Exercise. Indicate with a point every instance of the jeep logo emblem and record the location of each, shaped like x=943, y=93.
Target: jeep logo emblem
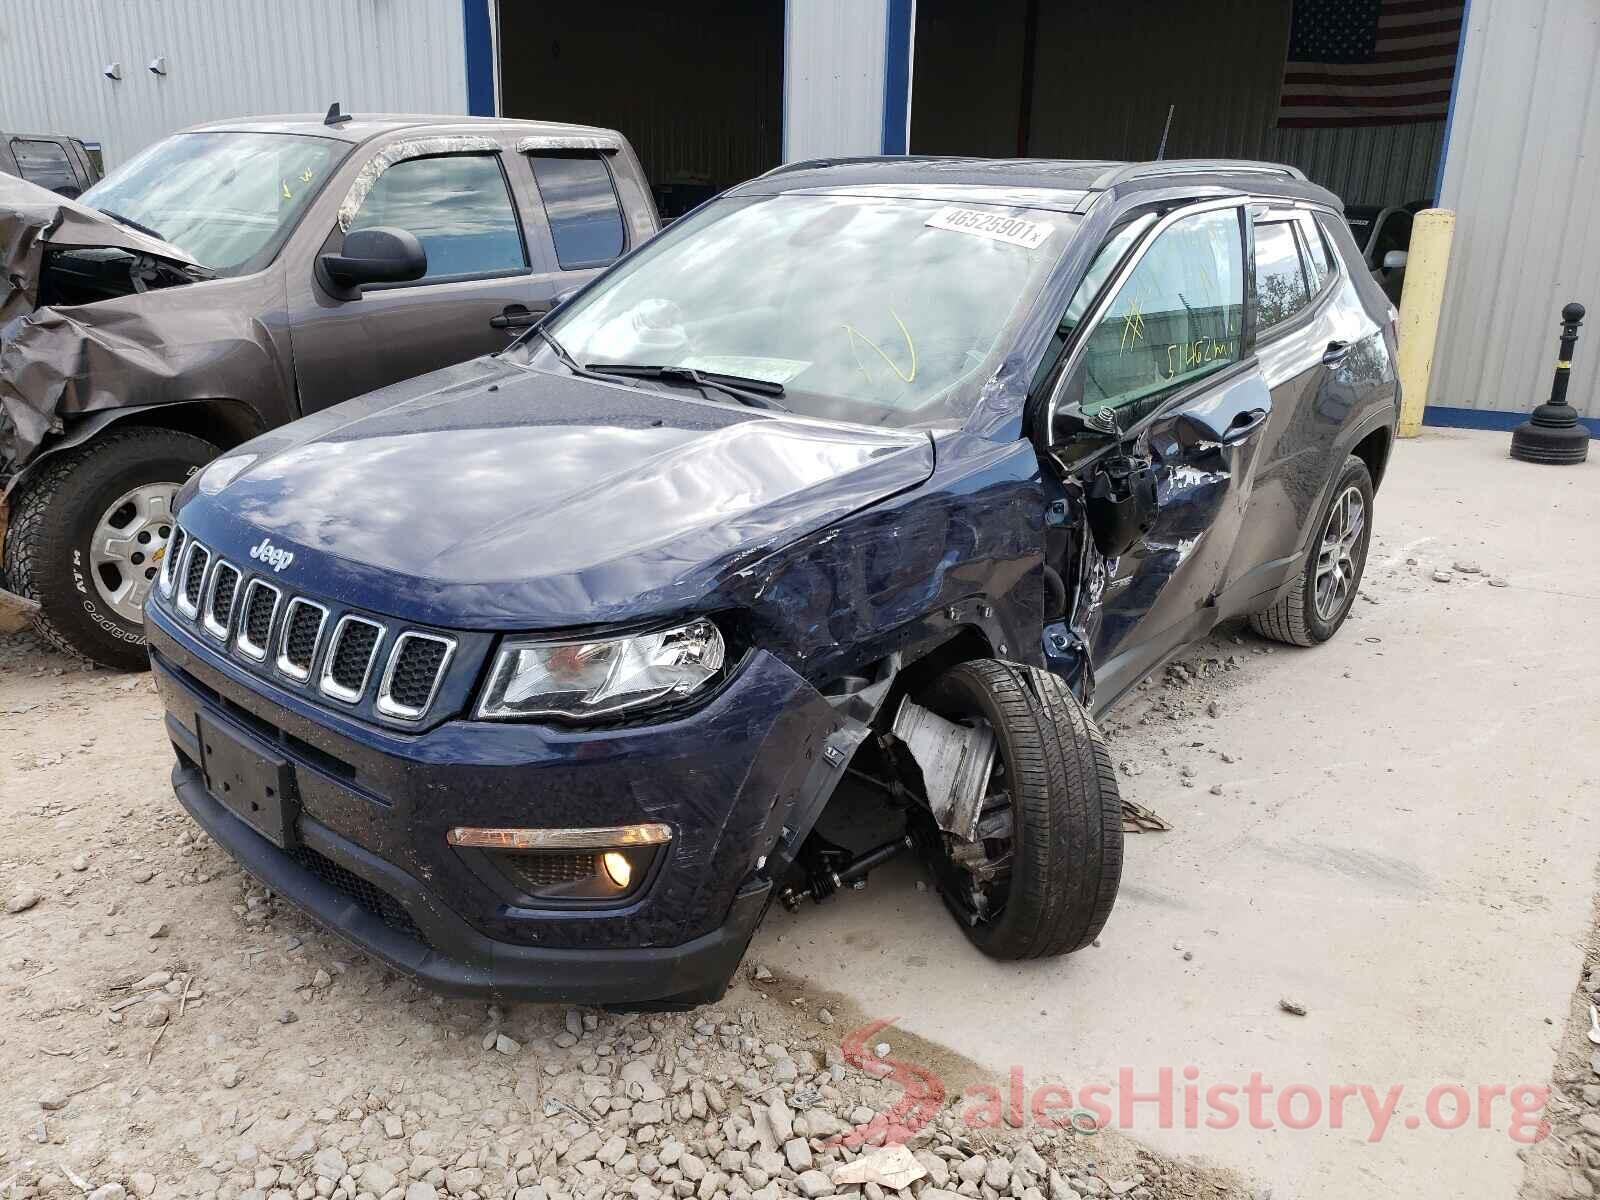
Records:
x=269, y=555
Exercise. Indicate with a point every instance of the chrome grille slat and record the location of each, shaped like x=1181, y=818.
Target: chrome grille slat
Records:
x=298, y=640
x=195, y=561
x=255, y=628
x=347, y=666
x=218, y=616
x=416, y=669
x=174, y=553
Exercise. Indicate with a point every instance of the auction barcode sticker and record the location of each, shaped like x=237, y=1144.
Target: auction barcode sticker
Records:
x=998, y=227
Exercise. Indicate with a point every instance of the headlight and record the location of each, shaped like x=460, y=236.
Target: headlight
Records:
x=591, y=678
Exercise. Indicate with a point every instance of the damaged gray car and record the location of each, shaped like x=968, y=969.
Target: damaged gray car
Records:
x=239, y=275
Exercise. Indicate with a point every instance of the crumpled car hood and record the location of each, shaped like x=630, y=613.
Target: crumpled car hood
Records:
x=127, y=351
x=31, y=215
x=486, y=494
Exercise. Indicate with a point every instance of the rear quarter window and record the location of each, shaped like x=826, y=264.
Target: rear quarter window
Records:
x=581, y=204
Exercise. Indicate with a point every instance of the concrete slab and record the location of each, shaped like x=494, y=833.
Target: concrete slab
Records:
x=1405, y=844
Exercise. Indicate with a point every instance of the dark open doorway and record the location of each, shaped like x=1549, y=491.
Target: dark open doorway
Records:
x=696, y=86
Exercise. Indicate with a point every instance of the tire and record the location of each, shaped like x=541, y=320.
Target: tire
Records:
x=49, y=555
x=1066, y=812
x=1298, y=619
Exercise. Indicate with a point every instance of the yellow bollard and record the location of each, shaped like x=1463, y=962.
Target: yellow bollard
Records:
x=1427, y=263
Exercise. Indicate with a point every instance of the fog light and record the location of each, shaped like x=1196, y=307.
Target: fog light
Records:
x=618, y=868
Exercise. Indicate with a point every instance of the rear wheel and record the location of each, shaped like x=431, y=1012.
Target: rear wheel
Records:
x=88, y=532
x=1042, y=875
x=1322, y=594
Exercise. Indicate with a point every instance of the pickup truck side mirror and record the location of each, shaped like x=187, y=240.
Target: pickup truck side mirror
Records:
x=382, y=254
x=1395, y=260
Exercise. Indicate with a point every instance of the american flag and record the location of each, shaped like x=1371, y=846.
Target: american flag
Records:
x=1369, y=62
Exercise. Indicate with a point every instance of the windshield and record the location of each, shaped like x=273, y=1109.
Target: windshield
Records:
x=228, y=199
x=868, y=309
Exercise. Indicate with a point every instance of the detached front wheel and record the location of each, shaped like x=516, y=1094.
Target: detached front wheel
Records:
x=1042, y=875
x=88, y=532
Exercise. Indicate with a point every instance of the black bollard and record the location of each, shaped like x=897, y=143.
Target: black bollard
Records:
x=1553, y=434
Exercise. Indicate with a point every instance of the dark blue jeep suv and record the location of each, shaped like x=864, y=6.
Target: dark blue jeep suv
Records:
x=532, y=676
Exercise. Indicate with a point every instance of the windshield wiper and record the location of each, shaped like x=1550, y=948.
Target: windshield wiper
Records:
x=567, y=360
x=746, y=389
x=132, y=224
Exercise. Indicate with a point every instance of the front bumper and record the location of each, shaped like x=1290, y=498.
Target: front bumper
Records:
x=373, y=864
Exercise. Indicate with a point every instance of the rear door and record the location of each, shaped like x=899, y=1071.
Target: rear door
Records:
x=1304, y=333
x=578, y=217
x=1163, y=379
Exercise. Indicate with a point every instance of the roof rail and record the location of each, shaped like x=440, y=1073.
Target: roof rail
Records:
x=1192, y=166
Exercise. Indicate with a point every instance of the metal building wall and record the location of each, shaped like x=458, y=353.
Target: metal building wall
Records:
x=1106, y=73
x=834, y=54
x=1522, y=173
x=225, y=58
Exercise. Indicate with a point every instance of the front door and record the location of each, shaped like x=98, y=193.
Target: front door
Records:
x=1162, y=379
x=460, y=207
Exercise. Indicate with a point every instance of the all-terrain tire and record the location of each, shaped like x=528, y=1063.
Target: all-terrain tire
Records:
x=1066, y=809
x=1294, y=619
x=55, y=512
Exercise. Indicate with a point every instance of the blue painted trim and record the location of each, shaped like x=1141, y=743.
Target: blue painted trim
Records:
x=899, y=18
x=785, y=83
x=1488, y=418
x=478, y=34
x=1450, y=109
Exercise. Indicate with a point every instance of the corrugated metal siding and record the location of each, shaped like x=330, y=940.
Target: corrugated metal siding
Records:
x=1522, y=173
x=1106, y=73
x=225, y=58
x=833, y=78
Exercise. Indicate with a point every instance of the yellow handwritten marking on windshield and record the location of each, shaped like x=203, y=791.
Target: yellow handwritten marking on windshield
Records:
x=853, y=333
x=306, y=176
x=287, y=194
x=1132, y=325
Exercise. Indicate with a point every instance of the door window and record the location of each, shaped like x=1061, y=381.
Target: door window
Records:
x=459, y=208
x=1281, y=289
x=1319, y=259
x=581, y=204
x=1175, y=319
x=46, y=164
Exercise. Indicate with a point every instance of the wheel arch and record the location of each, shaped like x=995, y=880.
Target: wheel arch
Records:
x=1373, y=449
x=223, y=422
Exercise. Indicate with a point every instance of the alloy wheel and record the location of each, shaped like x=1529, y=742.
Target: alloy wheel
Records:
x=127, y=546
x=1338, y=558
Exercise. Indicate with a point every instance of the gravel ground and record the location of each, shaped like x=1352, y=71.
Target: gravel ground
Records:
x=167, y=1029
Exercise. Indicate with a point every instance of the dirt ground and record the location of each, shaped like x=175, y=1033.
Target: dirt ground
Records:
x=167, y=1030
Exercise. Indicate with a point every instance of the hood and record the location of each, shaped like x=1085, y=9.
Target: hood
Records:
x=492, y=496
x=31, y=215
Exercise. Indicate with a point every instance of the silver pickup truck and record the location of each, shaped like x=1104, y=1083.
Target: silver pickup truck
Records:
x=242, y=274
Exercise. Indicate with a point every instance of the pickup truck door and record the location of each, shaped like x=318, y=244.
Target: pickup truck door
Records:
x=1161, y=389
x=492, y=271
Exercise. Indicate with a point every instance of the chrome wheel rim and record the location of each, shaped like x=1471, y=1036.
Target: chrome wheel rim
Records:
x=127, y=547
x=1338, y=558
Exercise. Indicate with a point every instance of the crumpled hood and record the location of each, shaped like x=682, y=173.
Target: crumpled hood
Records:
x=488, y=496
x=31, y=215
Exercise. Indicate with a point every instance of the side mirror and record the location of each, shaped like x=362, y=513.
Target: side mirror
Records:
x=1394, y=260
x=379, y=255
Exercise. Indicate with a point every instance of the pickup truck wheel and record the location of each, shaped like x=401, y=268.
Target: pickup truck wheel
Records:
x=88, y=532
x=1324, y=591
x=1043, y=875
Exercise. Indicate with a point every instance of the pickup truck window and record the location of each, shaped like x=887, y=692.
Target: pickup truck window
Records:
x=229, y=199
x=45, y=164
x=582, y=206
x=458, y=206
